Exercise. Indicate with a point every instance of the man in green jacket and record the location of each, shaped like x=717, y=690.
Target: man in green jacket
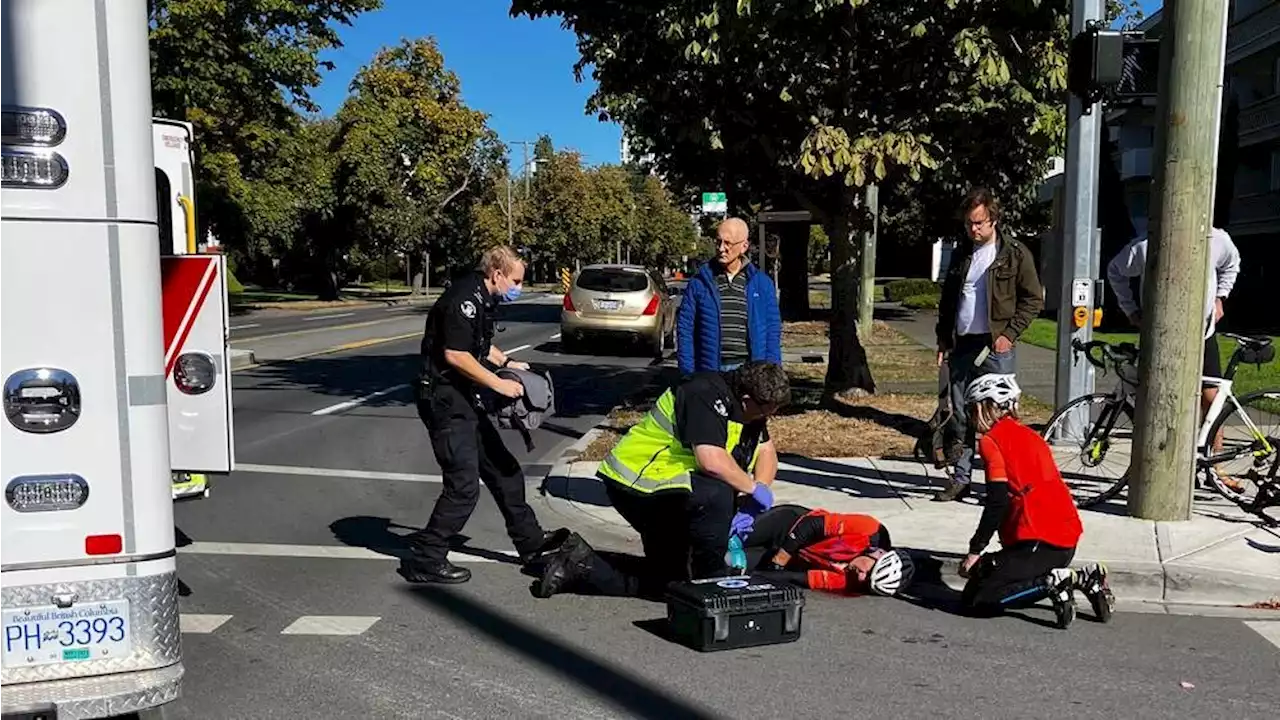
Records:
x=990, y=295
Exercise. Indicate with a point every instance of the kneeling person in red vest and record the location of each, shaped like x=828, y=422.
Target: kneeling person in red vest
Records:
x=822, y=550
x=1030, y=505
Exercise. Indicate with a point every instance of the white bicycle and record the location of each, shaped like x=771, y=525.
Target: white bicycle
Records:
x=1095, y=459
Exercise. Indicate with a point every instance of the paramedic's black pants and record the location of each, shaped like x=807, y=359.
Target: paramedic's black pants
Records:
x=1011, y=577
x=469, y=449
x=685, y=535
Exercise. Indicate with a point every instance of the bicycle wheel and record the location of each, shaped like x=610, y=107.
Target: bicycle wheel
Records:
x=1258, y=458
x=1093, y=456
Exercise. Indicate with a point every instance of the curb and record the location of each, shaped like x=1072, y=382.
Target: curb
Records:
x=241, y=359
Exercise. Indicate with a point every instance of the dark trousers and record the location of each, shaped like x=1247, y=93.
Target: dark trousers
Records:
x=469, y=450
x=684, y=534
x=1011, y=577
x=960, y=365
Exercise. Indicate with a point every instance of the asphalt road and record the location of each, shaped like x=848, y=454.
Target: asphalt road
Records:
x=292, y=607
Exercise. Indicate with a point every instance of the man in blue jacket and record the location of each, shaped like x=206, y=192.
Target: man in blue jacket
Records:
x=729, y=312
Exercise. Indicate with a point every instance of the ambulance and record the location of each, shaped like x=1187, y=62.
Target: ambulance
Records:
x=113, y=355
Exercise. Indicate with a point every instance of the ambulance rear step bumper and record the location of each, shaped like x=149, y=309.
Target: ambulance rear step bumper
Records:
x=93, y=697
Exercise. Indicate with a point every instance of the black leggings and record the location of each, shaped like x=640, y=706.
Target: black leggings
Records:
x=1011, y=577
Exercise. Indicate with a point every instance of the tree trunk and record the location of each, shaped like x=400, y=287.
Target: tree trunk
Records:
x=793, y=276
x=847, y=367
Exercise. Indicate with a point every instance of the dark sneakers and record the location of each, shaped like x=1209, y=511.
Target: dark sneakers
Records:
x=953, y=491
x=422, y=570
x=572, y=562
x=1092, y=581
x=1060, y=584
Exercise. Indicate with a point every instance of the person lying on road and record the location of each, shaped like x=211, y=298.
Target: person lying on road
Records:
x=675, y=477
x=822, y=550
x=1031, y=506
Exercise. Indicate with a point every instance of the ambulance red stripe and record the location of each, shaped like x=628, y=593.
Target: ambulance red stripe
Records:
x=186, y=281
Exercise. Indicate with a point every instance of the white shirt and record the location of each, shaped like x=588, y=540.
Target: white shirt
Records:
x=972, y=316
x=1220, y=274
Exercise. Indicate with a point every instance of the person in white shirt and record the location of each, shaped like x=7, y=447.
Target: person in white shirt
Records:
x=1220, y=276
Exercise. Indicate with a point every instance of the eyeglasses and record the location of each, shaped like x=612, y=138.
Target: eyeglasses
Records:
x=977, y=223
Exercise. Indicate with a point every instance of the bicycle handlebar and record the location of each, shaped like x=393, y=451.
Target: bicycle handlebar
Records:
x=1117, y=354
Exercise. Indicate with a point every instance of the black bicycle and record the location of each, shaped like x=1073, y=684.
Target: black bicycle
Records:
x=1237, y=448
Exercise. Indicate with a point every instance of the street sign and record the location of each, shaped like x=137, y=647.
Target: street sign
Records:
x=715, y=202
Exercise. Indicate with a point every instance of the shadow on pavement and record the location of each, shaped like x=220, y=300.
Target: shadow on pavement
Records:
x=613, y=685
x=529, y=313
x=863, y=481
x=581, y=388
x=378, y=534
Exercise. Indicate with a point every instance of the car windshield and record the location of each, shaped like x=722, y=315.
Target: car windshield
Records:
x=612, y=280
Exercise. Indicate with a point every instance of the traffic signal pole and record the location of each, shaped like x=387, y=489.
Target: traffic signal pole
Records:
x=1081, y=238
x=1175, y=288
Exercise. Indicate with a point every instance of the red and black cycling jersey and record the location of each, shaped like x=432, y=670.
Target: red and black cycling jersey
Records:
x=818, y=543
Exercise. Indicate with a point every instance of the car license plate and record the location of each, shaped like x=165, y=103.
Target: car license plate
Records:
x=608, y=304
x=48, y=634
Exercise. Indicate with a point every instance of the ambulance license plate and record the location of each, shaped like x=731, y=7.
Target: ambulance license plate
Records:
x=49, y=634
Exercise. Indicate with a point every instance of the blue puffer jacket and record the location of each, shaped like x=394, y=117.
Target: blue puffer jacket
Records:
x=698, y=321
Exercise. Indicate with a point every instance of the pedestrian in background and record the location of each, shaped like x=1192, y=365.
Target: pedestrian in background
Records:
x=728, y=314
x=990, y=295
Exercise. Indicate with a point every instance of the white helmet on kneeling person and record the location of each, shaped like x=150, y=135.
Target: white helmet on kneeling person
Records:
x=892, y=572
x=992, y=397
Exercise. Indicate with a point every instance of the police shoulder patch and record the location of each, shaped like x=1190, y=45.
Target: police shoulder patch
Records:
x=468, y=308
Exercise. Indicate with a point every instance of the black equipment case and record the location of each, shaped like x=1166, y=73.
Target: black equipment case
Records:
x=733, y=612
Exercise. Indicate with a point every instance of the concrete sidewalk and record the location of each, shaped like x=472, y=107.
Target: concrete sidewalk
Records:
x=1037, y=367
x=1222, y=556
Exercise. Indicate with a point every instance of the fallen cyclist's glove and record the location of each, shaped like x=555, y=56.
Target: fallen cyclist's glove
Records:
x=761, y=499
x=741, y=525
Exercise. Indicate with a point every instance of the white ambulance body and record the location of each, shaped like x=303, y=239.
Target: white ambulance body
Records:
x=91, y=359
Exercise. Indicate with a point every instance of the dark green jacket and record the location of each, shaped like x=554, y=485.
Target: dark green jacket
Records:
x=1014, y=294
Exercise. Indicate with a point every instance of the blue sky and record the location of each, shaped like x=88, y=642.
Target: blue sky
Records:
x=518, y=70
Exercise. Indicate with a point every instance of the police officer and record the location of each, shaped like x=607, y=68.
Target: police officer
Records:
x=456, y=346
x=676, y=478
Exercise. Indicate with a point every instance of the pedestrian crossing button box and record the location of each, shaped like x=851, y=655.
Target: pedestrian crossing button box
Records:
x=733, y=612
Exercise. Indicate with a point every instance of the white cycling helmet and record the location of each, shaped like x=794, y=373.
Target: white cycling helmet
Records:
x=892, y=572
x=1000, y=389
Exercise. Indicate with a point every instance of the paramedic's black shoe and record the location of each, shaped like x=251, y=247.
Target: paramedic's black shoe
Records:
x=1060, y=584
x=421, y=570
x=1093, y=583
x=952, y=492
x=570, y=563
x=551, y=541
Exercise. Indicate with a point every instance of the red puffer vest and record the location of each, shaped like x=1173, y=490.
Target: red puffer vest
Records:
x=1040, y=505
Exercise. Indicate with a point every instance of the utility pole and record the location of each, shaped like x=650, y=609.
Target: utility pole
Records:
x=511, y=233
x=867, y=284
x=1080, y=237
x=1174, y=287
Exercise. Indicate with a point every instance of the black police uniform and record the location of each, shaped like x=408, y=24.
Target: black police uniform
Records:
x=467, y=446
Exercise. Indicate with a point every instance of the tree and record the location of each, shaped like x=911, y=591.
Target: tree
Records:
x=407, y=148
x=239, y=70
x=808, y=102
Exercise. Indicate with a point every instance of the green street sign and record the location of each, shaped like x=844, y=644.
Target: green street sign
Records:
x=714, y=202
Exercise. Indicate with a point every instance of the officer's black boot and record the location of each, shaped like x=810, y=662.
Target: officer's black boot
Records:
x=569, y=564
x=422, y=570
x=550, y=542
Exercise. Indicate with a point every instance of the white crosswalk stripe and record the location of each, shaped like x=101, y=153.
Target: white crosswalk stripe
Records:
x=330, y=625
x=198, y=624
x=1269, y=629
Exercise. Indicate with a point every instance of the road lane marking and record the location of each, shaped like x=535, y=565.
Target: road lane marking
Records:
x=327, y=317
x=358, y=401
x=516, y=349
x=318, y=552
x=335, y=472
x=374, y=341
x=246, y=327
x=331, y=625
x=197, y=624
x=1268, y=629
x=335, y=349
x=311, y=331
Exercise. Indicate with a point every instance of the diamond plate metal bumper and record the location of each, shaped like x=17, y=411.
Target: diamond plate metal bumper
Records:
x=153, y=611
x=97, y=697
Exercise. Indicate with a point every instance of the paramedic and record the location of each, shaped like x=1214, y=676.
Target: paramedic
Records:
x=455, y=347
x=675, y=477
x=821, y=550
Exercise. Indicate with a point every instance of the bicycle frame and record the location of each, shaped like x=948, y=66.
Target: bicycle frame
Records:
x=1204, y=442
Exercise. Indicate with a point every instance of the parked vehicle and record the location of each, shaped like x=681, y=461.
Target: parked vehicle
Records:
x=618, y=301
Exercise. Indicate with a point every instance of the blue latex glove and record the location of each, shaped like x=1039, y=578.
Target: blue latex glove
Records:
x=761, y=499
x=741, y=525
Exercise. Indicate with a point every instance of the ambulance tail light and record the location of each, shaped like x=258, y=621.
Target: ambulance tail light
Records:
x=195, y=373
x=103, y=544
x=35, y=169
x=46, y=493
x=651, y=308
x=38, y=127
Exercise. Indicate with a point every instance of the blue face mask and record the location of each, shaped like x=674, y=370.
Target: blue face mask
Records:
x=512, y=293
